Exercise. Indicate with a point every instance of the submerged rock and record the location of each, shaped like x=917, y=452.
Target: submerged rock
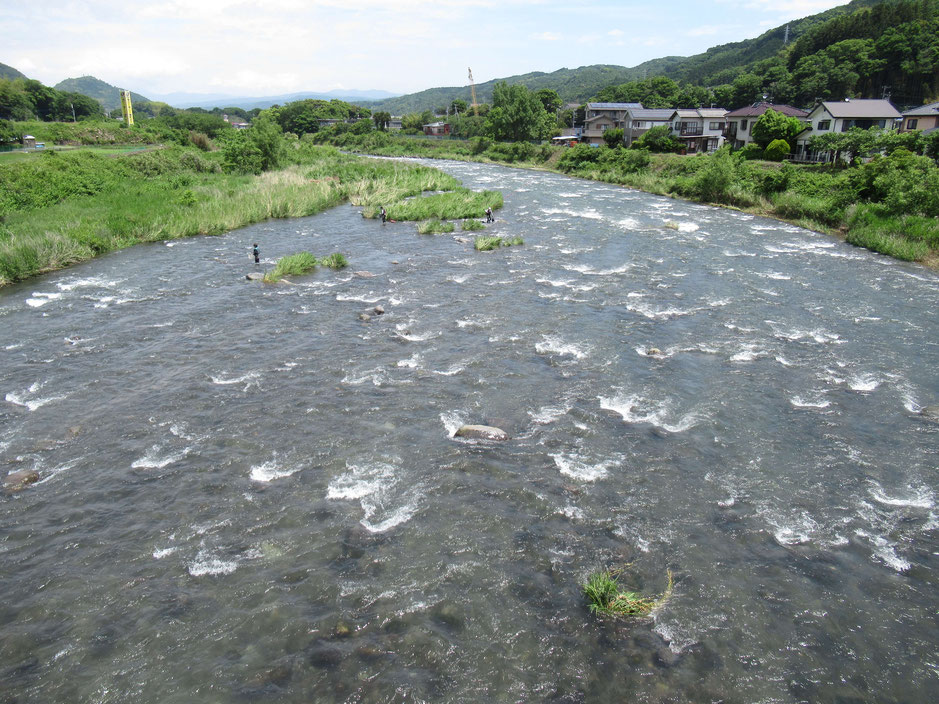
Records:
x=482, y=432
x=20, y=479
x=364, y=274
x=364, y=317
x=653, y=351
x=930, y=413
x=255, y=276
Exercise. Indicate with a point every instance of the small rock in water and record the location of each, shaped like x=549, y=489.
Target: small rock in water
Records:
x=364, y=274
x=482, y=432
x=665, y=657
x=255, y=276
x=930, y=413
x=364, y=317
x=379, y=310
x=20, y=479
x=653, y=351
x=342, y=630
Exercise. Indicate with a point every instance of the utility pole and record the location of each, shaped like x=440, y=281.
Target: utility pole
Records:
x=72, y=105
x=786, y=38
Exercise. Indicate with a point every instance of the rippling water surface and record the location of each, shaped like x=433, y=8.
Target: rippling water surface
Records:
x=248, y=493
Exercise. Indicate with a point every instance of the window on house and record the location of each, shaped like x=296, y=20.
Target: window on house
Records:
x=717, y=125
x=911, y=124
x=824, y=125
x=638, y=124
x=743, y=125
x=604, y=128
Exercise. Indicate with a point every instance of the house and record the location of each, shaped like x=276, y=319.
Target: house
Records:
x=394, y=123
x=600, y=117
x=841, y=116
x=921, y=118
x=29, y=142
x=640, y=120
x=699, y=129
x=437, y=129
x=740, y=121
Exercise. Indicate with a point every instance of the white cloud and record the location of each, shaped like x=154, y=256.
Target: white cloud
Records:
x=548, y=36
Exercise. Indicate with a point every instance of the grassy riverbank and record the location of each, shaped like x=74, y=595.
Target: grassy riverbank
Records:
x=889, y=205
x=64, y=208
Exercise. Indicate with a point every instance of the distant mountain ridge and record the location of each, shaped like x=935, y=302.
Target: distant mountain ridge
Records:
x=109, y=96
x=209, y=101
x=10, y=73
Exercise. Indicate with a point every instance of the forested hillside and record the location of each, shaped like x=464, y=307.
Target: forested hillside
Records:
x=9, y=72
x=109, y=96
x=867, y=48
x=573, y=85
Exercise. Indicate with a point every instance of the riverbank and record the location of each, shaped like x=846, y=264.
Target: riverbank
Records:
x=888, y=205
x=64, y=208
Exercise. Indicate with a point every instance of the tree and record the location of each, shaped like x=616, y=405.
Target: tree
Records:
x=658, y=139
x=458, y=107
x=613, y=138
x=517, y=114
x=550, y=100
x=774, y=125
x=381, y=119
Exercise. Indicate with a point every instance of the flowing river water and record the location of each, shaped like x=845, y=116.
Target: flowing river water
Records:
x=248, y=493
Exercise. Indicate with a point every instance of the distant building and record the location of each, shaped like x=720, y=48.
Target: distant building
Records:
x=739, y=122
x=699, y=129
x=640, y=120
x=925, y=117
x=600, y=117
x=29, y=142
x=841, y=116
x=437, y=129
x=394, y=123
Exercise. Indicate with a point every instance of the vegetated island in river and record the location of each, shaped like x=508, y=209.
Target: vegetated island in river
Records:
x=889, y=204
x=61, y=208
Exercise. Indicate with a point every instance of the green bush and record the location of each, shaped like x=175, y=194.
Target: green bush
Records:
x=470, y=225
x=433, y=227
x=577, y=157
x=777, y=150
x=751, y=151
x=511, y=152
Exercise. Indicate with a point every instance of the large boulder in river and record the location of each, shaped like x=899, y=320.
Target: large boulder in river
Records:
x=481, y=432
x=19, y=480
x=930, y=413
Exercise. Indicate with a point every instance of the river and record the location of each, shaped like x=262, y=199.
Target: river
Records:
x=247, y=492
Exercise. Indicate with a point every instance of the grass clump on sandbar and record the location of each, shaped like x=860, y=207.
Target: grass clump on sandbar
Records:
x=606, y=598
x=469, y=225
x=302, y=263
x=432, y=227
x=488, y=243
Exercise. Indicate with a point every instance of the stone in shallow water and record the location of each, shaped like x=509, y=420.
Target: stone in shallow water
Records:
x=930, y=413
x=19, y=480
x=482, y=432
x=255, y=277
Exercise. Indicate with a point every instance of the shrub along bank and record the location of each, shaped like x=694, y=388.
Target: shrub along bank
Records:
x=62, y=208
x=890, y=204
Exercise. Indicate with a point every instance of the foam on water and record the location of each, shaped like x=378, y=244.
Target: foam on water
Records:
x=549, y=414
x=588, y=214
x=555, y=345
x=271, y=470
x=205, y=564
x=159, y=554
x=93, y=281
x=159, y=457
x=800, y=402
x=578, y=467
x=637, y=409
x=863, y=382
x=40, y=299
x=452, y=421
x=30, y=398
x=376, y=486
x=250, y=379
x=915, y=497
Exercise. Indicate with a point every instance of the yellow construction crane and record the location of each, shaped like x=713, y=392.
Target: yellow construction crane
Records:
x=473, y=91
x=127, y=108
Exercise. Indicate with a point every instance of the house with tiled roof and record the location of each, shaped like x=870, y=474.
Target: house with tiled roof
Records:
x=600, y=117
x=740, y=121
x=925, y=117
x=841, y=116
x=699, y=129
x=640, y=120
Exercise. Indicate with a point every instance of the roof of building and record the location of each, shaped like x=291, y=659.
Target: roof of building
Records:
x=930, y=109
x=437, y=124
x=860, y=108
x=758, y=109
x=652, y=113
x=687, y=112
x=712, y=112
x=613, y=106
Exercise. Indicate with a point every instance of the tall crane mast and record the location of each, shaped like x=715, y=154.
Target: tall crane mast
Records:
x=473, y=91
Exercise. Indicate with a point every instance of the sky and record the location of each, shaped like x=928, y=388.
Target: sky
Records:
x=273, y=47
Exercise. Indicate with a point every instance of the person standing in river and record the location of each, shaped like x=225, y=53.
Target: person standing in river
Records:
x=384, y=215
x=489, y=217
x=257, y=254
